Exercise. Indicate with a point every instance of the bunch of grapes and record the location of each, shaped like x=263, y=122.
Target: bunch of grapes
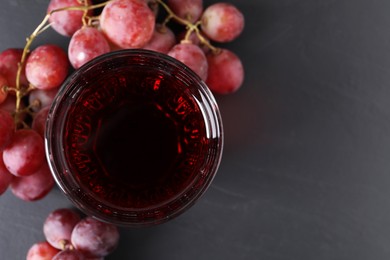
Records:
x=70, y=237
x=125, y=24
x=23, y=164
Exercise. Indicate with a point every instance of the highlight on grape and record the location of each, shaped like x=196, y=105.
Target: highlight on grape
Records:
x=29, y=80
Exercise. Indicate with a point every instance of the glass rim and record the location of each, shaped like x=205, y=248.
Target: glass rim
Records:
x=84, y=200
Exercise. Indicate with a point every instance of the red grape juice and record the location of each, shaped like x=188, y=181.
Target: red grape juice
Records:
x=134, y=138
x=135, y=142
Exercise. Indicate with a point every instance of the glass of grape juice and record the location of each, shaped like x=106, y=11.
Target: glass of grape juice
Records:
x=134, y=138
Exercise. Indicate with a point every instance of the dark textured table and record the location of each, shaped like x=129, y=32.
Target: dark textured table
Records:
x=306, y=169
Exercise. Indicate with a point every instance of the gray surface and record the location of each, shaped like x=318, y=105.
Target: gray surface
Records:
x=305, y=173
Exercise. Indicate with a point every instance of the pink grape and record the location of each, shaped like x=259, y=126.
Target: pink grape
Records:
x=35, y=186
x=5, y=176
x=39, y=121
x=65, y=22
x=7, y=128
x=187, y=9
x=47, y=67
x=86, y=44
x=25, y=153
x=69, y=255
x=192, y=56
x=226, y=72
x=3, y=93
x=163, y=40
x=58, y=227
x=41, y=251
x=95, y=238
x=9, y=60
x=45, y=98
x=222, y=22
x=128, y=23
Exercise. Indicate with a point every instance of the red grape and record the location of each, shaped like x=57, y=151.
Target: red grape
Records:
x=187, y=9
x=45, y=97
x=9, y=60
x=94, y=238
x=69, y=255
x=163, y=40
x=222, y=22
x=65, y=22
x=39, y=121
x=58, y=227
x=35, y=186
x=25, y=153
x=3, y=93
x=7, y=128
x=192, y=56
x=47, y=67
x=86, y=44
x=41, y=251
x=5, y=176
x=128, y=23
x=226, y=72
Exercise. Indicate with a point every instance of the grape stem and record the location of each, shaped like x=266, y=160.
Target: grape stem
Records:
x=65, y=245
x=21, y=91
x=85, y=15
x=35, y=104
x=190, y=27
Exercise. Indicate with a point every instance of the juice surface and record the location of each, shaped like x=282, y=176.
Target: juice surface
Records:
x=135, y=142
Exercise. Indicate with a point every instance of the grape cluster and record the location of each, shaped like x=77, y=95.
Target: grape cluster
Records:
x=126, y=24
x=68, y=236
x=23, y=165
